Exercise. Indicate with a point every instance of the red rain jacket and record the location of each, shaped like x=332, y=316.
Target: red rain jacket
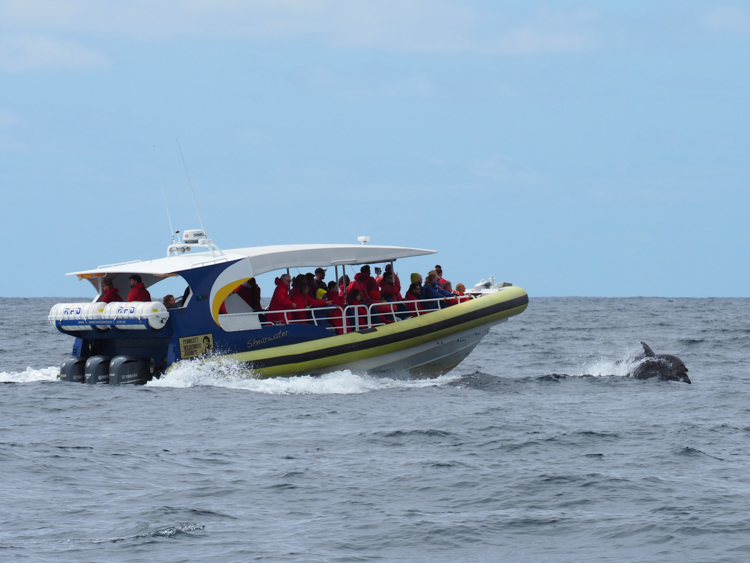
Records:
x=111, y=296
x=385, y=310
x=139, y=293
x=458, y=298
x=334, y=315
x=358, y=314
x=413, y=307
x=250, y=296
x=393, y=289
x=302, y=302
x=365, y=284
x=279, y=302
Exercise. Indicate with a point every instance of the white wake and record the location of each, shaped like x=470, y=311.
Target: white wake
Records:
x=224, y=373
x=30, y=375
x=608, y=366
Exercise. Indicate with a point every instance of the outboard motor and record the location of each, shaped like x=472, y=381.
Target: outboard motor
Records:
x=97, y=369
x=72, y=369
x=129, y=370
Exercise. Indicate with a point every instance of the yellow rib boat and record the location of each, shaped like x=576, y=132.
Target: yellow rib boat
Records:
x=134, y=342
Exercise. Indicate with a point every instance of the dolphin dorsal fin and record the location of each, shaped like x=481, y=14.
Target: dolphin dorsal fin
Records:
x=648, y=351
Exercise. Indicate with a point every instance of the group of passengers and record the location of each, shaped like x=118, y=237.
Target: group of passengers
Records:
x=138, y=291
x=295, y=299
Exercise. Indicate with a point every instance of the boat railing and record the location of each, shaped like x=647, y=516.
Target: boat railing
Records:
x=353, y=318
x=387, y=312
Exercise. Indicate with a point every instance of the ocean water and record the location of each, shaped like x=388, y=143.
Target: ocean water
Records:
x=536, y=448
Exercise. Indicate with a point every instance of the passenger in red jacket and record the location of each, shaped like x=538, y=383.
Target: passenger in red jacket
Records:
x=439, y=271
x=110, y=293
x=391, y=284
x=300, y=296
x=460, y=293
x=364, y=282
x=384, y=309
x=412, y=299
x=250, y=293
x=343, y=284
x=280, y=300
x=335, y=315
x=138, y=291
x=448, y=286
x=356, y=316
x=389, y=272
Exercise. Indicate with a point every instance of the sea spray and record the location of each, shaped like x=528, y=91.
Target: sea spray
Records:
x=226, y=373
x=30, y=375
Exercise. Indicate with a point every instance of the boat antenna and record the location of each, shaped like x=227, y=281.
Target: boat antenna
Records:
x=161, y=182
x=191, y=187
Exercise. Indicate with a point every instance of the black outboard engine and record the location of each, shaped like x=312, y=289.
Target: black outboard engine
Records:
x=72, y=369
x=129, y=370
x=97, y=369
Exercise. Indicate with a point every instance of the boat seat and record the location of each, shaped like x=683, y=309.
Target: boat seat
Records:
x=236, y=304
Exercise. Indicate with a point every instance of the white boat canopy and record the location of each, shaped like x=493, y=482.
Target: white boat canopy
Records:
x=262, y=258
x=269, y=258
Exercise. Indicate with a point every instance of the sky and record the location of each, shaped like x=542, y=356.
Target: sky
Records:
x=571, y=148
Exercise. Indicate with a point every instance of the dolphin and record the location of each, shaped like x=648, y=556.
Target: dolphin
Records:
x=662, y=366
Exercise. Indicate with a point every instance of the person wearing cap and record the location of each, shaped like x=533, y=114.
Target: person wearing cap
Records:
x=138, y=291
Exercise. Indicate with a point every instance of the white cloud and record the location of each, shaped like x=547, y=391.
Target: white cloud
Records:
x=421, y=26
x=39, y=52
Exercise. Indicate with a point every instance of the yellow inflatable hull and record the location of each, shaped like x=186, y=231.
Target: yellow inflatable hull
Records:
x=428, y=345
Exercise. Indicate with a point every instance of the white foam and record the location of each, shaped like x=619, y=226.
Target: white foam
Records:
x=605, y=366
x=30, y=375
x=225, y=373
